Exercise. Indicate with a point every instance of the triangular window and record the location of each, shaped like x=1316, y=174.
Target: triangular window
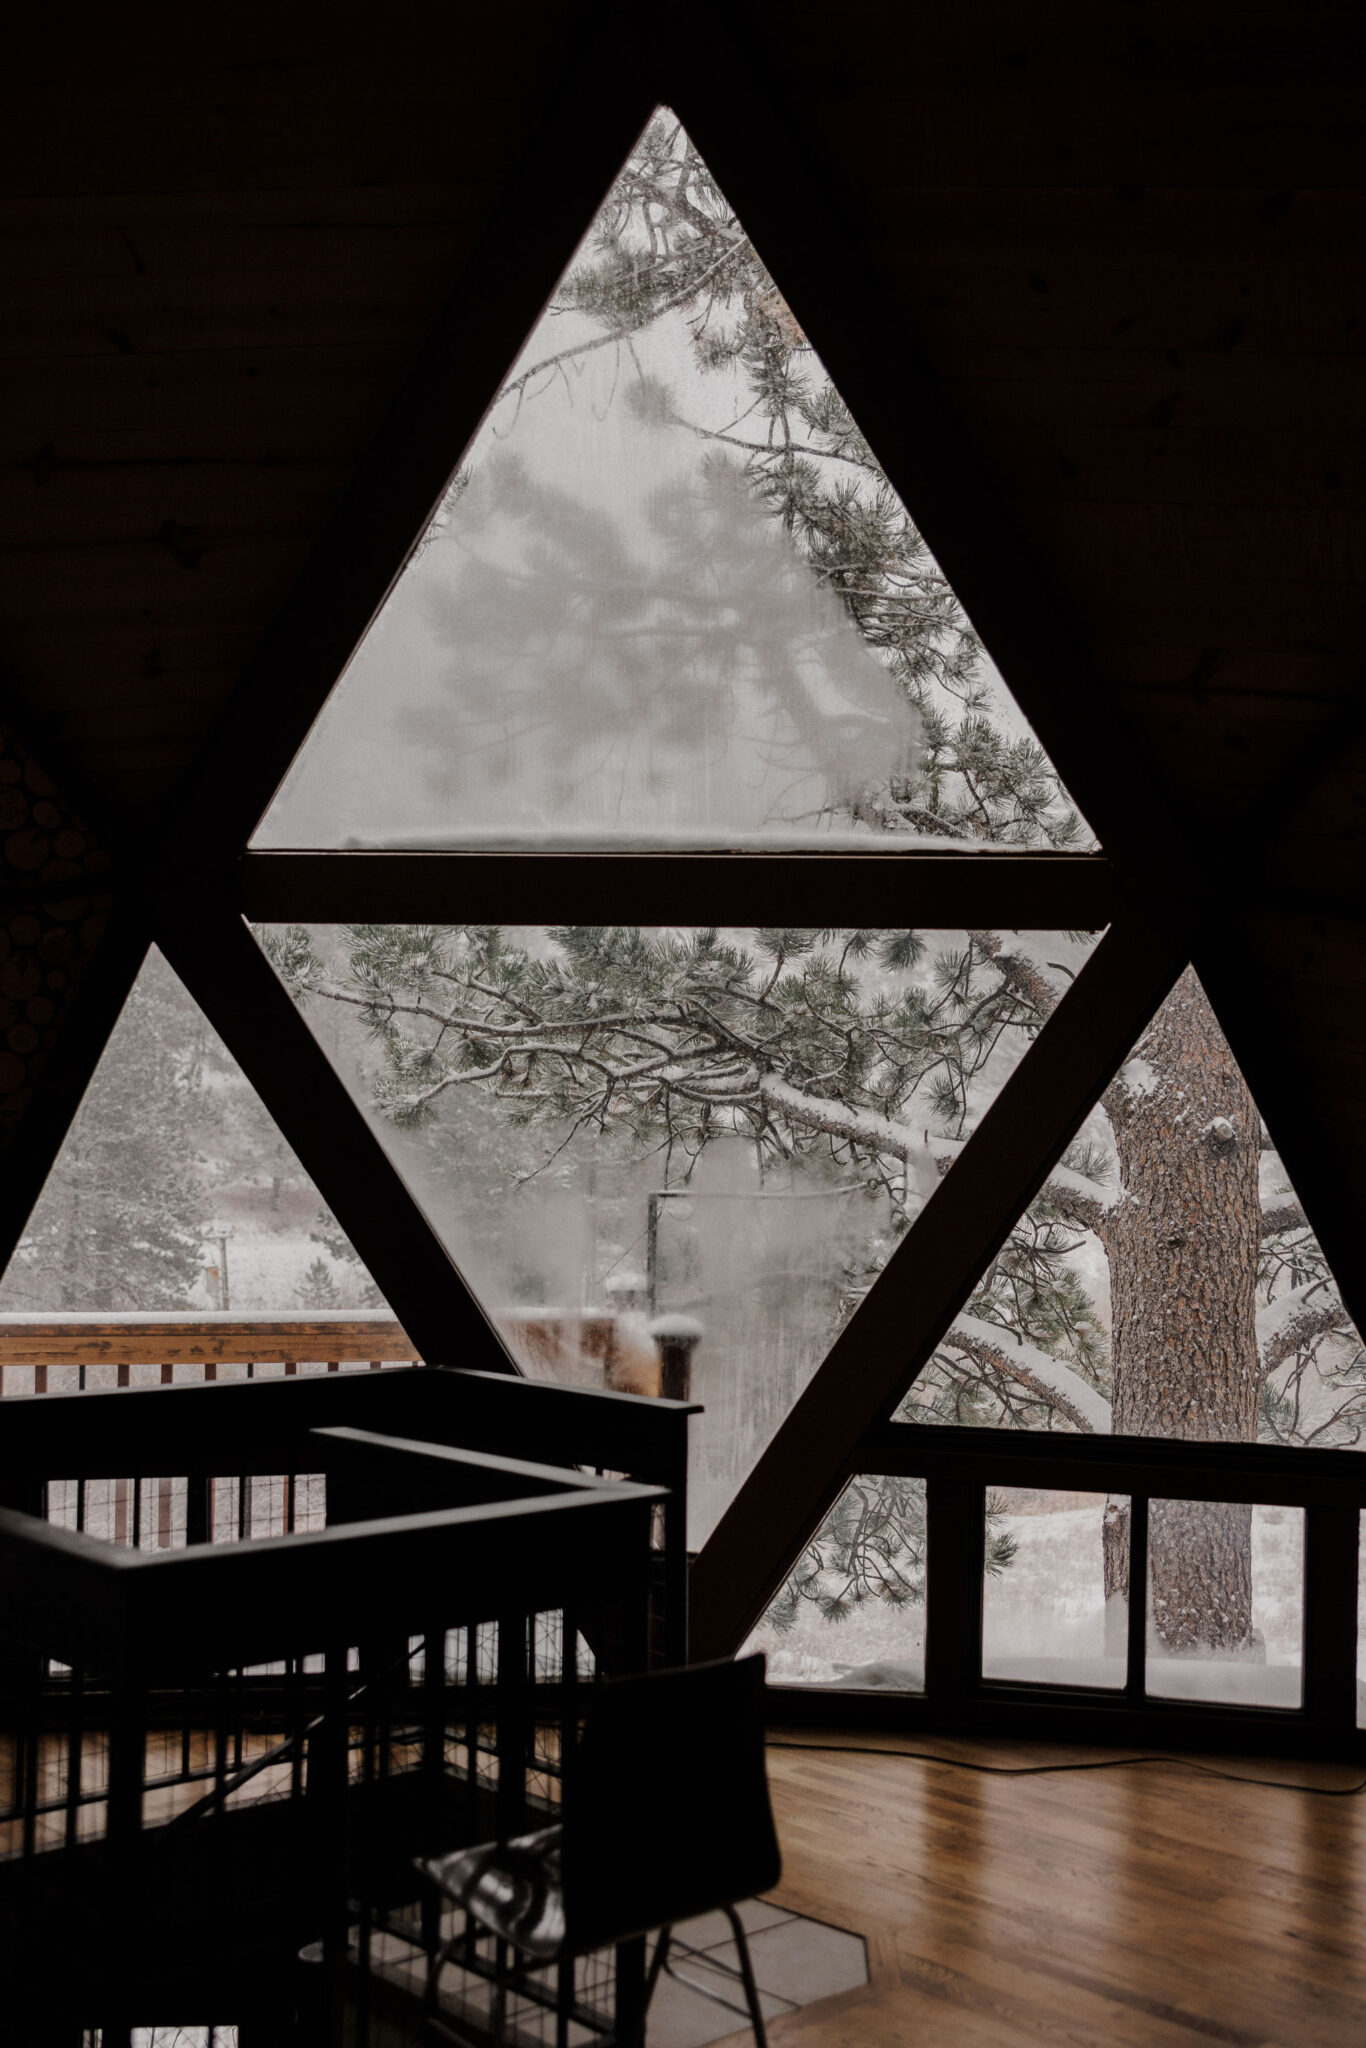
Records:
x=174, y=1195
x=1166, y=1282
x=669, y=597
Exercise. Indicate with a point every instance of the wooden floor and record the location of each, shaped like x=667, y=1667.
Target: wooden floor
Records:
x=1145, y=1905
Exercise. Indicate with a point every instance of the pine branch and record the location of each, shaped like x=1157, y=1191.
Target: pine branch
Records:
x=1045, y=1379
x=1283, y=1216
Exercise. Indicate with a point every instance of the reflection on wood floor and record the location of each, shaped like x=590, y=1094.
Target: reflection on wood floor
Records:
x=1147, y=1905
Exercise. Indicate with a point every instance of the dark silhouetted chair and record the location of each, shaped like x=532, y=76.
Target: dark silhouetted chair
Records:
x=666, y=1816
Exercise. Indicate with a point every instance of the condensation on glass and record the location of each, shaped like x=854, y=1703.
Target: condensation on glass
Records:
x=852, y=1616
x=1225, y=1603
x=1055, y=1607
x=668, y=598
x=174, y=1193
x=665, y=1157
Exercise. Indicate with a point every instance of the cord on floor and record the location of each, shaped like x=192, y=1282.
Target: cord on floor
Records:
x=1106, y=1763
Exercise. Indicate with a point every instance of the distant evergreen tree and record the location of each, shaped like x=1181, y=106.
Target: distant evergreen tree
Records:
x=318, y=1289
x=340, y=1250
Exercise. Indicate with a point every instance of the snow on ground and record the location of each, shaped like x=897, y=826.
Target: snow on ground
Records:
x=267, y=1269
x=1044, y=1620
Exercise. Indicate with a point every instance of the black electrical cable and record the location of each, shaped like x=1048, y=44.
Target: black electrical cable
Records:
x=1105, y=1763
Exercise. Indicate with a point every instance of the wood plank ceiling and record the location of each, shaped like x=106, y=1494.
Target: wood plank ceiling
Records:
x=1113, y=255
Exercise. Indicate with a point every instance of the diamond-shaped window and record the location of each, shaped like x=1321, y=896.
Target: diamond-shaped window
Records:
x=669, y=597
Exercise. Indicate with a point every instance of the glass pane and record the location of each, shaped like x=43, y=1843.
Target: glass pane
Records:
x=853, y=1613
x=1225, y=1602
x=174, y=1194
x=1055, y=1608
x=1166, y=1281
x=731, y=1128
x=669, y=596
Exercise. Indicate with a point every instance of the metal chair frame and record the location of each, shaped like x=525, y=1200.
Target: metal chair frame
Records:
x=718, y=1710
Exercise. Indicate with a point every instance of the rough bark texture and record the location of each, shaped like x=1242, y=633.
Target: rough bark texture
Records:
x=1182, y=1244
x=1200, y=1575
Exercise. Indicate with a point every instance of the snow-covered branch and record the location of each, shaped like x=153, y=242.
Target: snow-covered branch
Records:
x=1046, y=1379
x=1080, y=1200
x=922, y=1154
x=1279, y=1215
x=1296, y=1319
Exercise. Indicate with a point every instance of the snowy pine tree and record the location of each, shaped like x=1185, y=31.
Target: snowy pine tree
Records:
x=318, y=1289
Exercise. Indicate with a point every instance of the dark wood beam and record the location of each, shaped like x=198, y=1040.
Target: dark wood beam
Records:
x=1170, y=1469
x=890, y=1336
x=228, y=975
x=1048, y=892
x=1252, y=1015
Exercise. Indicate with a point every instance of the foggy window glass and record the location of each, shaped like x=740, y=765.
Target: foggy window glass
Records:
x=1049, y=1614
x=667, y=1156
x=853, y=1615
x=174, y=1193
x=1248, y=1651
x=669, y=596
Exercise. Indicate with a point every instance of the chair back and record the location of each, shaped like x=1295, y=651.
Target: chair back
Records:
x=666, y=1808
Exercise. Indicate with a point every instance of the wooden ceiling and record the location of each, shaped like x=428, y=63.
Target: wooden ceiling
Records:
x=1093, y=277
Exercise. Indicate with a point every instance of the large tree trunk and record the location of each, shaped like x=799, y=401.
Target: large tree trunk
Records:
x=1182, y=1244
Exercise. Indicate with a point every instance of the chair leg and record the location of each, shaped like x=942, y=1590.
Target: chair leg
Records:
x=657, y=1962
x=756, y=2017
x=500, y=1992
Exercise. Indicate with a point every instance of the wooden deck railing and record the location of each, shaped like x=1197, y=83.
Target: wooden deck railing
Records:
x=40, y=1354
x=43, y=1354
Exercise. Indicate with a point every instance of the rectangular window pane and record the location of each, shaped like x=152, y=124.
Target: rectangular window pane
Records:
x=1226, y=1603
x=1046, y=1617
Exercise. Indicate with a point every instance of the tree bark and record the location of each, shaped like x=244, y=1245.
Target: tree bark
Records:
x=1182, y=1243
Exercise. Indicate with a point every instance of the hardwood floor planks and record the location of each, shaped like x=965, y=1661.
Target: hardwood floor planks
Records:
x=1145, y=1907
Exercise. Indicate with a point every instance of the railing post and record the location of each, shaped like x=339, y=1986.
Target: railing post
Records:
x=1331, y=1537
x=515, y=1726
x=127, y=1761
x=955, y=1515
x=1136, y=1670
